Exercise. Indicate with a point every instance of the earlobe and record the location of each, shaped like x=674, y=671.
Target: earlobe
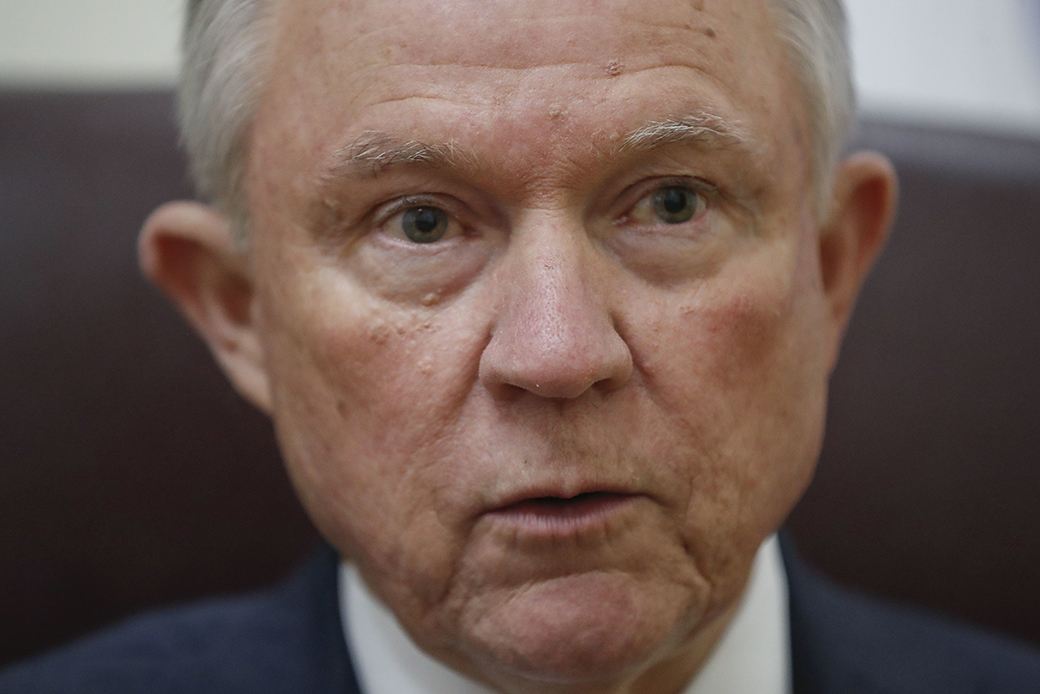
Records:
x=864, y=202
x=187, y=250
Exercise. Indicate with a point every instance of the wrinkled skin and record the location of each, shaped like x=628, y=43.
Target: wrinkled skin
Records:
x=561, y=338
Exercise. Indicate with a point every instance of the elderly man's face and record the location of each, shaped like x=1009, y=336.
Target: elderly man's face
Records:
x=543, y=325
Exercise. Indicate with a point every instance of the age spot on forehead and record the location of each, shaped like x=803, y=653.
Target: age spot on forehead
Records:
x=710, y=32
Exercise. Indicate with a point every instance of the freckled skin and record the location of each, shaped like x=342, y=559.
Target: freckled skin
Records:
x=551, y=343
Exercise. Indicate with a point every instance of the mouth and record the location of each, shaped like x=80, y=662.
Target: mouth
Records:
x=559, y=517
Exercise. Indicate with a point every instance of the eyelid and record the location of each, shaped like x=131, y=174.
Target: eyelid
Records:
x=639, y=192
x=700, y=186
x=388, y=210
x=458, y=226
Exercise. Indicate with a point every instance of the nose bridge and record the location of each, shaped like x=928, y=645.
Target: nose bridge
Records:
x=551, y=278
x=554, y=335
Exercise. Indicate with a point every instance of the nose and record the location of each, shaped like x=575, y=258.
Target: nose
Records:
x=554, y=335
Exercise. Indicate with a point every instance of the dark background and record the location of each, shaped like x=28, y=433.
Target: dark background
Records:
x=132, y=476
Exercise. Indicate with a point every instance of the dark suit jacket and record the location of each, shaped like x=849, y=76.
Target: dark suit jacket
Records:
x=288, y=639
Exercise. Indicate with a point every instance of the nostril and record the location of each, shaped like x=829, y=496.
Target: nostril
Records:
x=507, y=369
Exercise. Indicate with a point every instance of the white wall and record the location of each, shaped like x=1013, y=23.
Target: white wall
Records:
x=970, y=62
x=88, y=43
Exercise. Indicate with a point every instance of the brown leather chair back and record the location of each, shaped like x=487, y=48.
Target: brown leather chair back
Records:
x=928, y=486
x=130, y=473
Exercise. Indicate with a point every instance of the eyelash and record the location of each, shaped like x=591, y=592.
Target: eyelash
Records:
x=708, y=192
x=454, y=211
x=396, y=207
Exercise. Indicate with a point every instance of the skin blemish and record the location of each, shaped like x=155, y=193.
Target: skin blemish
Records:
x=378, y=332
x=614, y=68
x=710, y=32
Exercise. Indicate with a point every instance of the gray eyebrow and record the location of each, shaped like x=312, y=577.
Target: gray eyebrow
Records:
x=373, y=152
x=701, y=128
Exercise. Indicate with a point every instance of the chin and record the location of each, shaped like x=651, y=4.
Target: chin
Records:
x=582, y=628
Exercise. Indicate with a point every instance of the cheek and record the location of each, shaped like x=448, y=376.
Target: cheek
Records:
x=740, y=371
x=363, y=392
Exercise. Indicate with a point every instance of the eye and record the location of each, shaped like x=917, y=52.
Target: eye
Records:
x=424, y=224
x=670, y=205
x=675, y=205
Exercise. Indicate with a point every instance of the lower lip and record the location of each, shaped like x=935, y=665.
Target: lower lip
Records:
x=558, y=518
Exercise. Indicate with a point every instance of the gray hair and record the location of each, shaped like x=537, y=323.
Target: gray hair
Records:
x=816, y=33
x=220, y=85
x=223, y=61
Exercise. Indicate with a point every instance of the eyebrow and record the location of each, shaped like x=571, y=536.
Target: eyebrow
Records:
x=702, y=128
x=374, y=152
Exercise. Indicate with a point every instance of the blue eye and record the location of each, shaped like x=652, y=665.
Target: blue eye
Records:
x=675, y=204
x=424, y=224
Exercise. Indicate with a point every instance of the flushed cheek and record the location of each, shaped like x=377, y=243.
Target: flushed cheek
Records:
x=742, y=384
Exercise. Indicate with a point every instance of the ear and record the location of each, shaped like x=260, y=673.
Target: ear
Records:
x=861, y=215
x=187, y=250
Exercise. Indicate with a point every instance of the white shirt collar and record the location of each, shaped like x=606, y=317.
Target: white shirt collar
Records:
x=753, y=656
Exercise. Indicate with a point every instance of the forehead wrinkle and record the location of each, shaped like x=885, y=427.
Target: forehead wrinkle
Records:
x=512, y=35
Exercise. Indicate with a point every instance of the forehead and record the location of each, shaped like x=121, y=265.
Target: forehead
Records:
x=521, y=33
x=543, y=71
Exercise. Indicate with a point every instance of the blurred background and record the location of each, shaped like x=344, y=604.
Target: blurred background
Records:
x=131, y=476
